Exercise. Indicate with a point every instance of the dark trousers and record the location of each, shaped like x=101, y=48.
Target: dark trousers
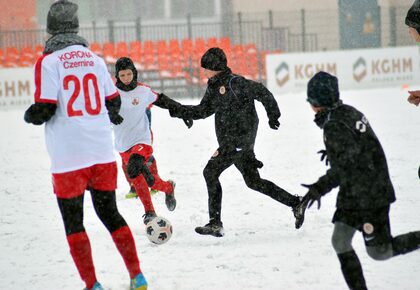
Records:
x=248, y=165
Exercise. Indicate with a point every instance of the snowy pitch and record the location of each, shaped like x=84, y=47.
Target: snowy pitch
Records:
x=261, y=248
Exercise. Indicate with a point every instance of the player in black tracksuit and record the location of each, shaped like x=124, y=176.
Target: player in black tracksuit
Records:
x=359, y=168
x=231, y=98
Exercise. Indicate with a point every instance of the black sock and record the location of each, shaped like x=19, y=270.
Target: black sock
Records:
x=406, y=243
x=352, y=270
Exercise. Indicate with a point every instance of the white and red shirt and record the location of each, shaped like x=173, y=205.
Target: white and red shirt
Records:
x=79, y=135
x=135, y=129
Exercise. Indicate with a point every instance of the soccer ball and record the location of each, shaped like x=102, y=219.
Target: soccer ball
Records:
x=159, y=230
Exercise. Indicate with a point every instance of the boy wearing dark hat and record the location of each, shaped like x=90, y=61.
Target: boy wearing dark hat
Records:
x=76, y=99
x=133, y=137
x=412, y=20
x=359, y=168
x=231, y=98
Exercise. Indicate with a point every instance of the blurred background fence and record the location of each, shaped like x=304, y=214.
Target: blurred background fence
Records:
x=168, y=54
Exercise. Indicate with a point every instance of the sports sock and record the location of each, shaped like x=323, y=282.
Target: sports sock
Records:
x=81, y=252
x=406, y=243
x=124, y=241
x=352, y=270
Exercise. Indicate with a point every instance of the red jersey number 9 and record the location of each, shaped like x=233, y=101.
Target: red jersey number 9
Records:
x=87, y=80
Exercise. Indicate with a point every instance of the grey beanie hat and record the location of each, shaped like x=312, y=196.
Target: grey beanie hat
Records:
x=62, y=18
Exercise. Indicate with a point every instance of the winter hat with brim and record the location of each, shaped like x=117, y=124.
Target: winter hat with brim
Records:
x=323, y=90
x=413, y=16
x=62, y=18
x=124, y=63
x=214, y=59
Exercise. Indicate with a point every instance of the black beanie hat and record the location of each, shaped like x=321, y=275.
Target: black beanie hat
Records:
x=323, y=90
x=214, y=59
x=62, y=18
x=124, y=63
x=413, y=16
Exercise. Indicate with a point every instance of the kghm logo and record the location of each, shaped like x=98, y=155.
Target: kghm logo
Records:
x=359, y=69
x=282, y=74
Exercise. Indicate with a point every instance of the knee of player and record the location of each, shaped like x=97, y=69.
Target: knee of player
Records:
x=380, y=252
x=209, y=173
x=135, y=165
x=341, y=244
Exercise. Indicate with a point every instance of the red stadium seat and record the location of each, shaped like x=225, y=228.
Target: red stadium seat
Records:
x=108, y=50
x=96, y=48
x=121, y=50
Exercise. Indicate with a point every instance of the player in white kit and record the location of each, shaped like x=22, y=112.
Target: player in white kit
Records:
x=76, y=98
x=133, y=137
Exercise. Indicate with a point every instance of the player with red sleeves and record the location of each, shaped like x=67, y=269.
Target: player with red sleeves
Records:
x=133, y=137
x=76, y=99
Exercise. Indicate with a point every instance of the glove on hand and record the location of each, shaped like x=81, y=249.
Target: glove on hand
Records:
x=312, y=195
x=115, y=118
x=188, y=122
x=274, y=124
x=324, y=156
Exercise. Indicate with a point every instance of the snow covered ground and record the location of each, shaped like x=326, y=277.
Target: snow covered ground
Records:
x=261, y=249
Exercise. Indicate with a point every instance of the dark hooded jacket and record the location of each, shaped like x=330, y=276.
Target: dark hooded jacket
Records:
x=357, y=160
x=231, y=98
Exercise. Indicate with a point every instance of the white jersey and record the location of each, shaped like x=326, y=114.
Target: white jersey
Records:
x=135, y=129
x=79, y=134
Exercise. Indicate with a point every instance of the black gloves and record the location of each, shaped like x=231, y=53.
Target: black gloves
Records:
x=39, y=113
x=115, y=118
x=188, y=122
x=313, y=194
x=274, y=124
x=324, y=156
x=113, y=106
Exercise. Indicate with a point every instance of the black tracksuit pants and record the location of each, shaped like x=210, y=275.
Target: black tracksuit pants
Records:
x=248, y=165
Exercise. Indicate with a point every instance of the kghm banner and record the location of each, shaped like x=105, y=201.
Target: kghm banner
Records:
x=355, y=69
x=16, y=87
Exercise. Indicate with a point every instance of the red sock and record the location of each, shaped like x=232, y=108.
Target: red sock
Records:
x=82, y=255
x=124, y=241
x=143, y=193
x=159, y=184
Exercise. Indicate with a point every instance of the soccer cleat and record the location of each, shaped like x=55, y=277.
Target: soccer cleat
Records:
x=148, y=216
x=132, y=193
x=97, y=286
x=213, y=228
x=138, y=283
x=299, y=212
x=170, y=200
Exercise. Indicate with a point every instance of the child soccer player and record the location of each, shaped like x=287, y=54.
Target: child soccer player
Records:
x=231, y=98
x=76, y=98
x=133, y=137
x=359, y=168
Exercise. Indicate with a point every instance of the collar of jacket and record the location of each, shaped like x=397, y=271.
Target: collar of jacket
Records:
x=62, y=40
x=322, y=118
x=220, y=77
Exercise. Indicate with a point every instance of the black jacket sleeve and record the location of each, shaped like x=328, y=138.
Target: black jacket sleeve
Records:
x=39, y=113
x=165, y=102
x=342, y=151
x=263, y=95
x=203, y=110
